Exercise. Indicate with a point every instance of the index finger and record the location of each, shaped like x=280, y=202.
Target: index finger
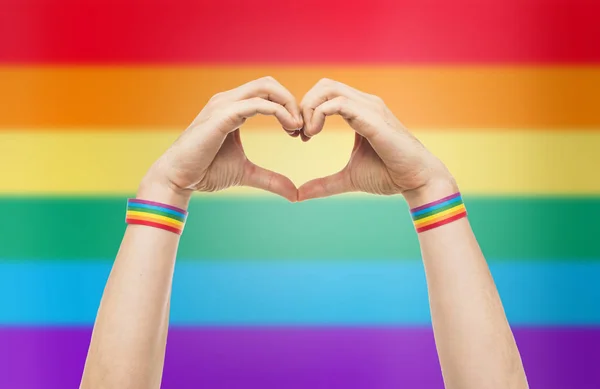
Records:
x=323, y=91
x=266, y=88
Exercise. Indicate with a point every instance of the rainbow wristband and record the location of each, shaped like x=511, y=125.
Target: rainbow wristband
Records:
x=438, y=213
x=153, y=214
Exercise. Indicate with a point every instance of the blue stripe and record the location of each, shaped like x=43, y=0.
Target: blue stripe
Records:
x=438, y=206
x=167, y=210
x=298, y=293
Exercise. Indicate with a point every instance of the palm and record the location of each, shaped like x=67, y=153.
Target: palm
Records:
x=209, y=156
x=386, y=158
x=367, y=171
x=227, y=168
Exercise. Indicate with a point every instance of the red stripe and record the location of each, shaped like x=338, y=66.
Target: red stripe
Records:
x=152, y=224
x=442, y=222
x=259, y=31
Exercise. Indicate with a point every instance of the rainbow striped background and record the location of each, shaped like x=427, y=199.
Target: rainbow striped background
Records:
x=324, y=294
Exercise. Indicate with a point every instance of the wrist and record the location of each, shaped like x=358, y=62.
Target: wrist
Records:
x=155, y=188
x=433, y=190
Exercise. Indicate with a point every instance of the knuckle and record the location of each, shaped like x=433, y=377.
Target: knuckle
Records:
x=343, y=101
x=377, y=99
x=326, y=82
x=216, y=98
x=319, y=111
x=327, y=91
x=267, y=80
x=332, y=89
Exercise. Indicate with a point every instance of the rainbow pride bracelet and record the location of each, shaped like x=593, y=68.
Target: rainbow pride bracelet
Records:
x=438, y=213
x=153, y=214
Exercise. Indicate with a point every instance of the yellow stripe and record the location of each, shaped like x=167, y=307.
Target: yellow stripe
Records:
x=157, y=218
x=484, y=162
x=439, y=216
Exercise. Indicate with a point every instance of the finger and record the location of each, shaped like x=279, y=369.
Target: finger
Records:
x=326, y=186
x=293, y=134
x=269, y=89
x=239, y=111
x=261, y=178
x=323, y=91
x=337, y=106
x=304, y=137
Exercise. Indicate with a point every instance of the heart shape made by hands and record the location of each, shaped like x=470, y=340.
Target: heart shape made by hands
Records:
x=384, y=159
x=364, y=169
x=377, y=145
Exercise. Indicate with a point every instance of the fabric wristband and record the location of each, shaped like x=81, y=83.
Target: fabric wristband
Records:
x=157, y=215
x=438, y=213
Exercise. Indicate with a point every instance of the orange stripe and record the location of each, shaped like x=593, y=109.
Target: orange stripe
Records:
x=422, y=97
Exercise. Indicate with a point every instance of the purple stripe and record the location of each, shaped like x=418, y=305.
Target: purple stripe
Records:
x=420, y=208
x=148, y=202
x=348, y=358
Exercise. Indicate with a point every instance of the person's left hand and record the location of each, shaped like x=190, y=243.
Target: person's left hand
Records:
x=386, y=159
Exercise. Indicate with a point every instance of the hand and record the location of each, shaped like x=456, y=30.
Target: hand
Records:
x=209, y=155
x=386, y=158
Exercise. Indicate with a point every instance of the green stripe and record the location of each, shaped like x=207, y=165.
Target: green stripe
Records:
x=436, y=211
x=345, y=227
x=156, y=212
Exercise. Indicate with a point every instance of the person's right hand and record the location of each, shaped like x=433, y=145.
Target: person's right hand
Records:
x=209, y=155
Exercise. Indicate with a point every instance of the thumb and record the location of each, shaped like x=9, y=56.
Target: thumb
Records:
x=260, y=178
x=334, y=184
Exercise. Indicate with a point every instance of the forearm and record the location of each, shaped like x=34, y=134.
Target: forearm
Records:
x=475, y=343
x=129, y=338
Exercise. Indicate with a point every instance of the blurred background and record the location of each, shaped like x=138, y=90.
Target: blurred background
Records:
x=324, y=294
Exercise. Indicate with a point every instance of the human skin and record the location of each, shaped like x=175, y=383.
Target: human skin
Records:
x=475, y=343
x=128, y=343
